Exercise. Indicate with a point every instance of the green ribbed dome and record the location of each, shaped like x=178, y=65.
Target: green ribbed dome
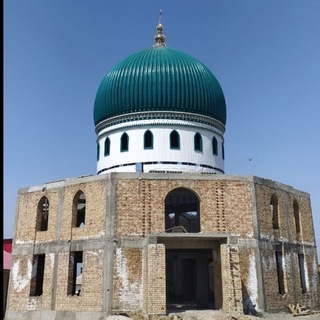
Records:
x=159, y=79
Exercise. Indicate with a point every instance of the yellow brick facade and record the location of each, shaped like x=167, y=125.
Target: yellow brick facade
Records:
x=125, y=246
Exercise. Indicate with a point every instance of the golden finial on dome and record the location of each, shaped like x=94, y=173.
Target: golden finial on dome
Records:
x=159, y=39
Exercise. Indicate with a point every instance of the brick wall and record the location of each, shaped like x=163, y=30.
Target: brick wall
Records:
x=156, y=274
x=287, y=241
x=133, y=208
x=225, y=206
x=56, y=244
x=95, y=193
x=285, y=198
x=127, y=279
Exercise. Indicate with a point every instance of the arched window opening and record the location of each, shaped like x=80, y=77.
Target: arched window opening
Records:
x=98, y=151
x=148, y=140
x=79, y=210
x=182, y=213
x=274, y=212
x=107, y=147
x=174, y=140
x=214, y=146
x=222, y=147
x=124, y=143
x=43, y=214
x=296, y=215
x=197, y=142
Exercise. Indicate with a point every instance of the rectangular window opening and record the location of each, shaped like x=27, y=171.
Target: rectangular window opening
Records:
x=75, y=273
x=36, y=288
x=280, y=272
x=302, y=273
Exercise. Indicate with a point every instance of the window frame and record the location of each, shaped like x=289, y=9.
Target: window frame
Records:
x=98, y=151
x=197, y=140
x=124, y=142
x=174, y=135
x=107, y=144
x=148, y=139
x=214, y=143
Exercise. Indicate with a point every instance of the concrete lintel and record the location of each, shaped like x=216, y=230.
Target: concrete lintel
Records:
x=248, y=243
x=278, y=185
x=204, y=235
x=233, y=240
x=179, y=176
x=191, y=242
x=130, y=242
x=63, y=183
x=151, y=239
x=22, y=249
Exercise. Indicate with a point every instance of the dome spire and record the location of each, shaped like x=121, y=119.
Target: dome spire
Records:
x=159, y=39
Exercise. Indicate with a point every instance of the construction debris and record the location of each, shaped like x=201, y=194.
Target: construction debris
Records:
x=299, y=310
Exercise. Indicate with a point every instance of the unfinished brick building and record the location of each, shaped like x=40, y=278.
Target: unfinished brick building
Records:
x=160, y=227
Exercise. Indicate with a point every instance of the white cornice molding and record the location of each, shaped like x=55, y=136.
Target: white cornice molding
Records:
x=159, y=118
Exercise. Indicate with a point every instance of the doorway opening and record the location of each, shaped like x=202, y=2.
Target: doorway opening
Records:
x=189, y=279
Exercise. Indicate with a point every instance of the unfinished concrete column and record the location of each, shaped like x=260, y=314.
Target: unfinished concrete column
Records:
x=217, y=280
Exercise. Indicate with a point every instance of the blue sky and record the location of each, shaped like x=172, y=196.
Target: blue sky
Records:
x=265, y=54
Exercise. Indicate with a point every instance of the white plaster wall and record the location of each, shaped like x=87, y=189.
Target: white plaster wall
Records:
x=161, y=148
x=130, y=292
x=253, y=282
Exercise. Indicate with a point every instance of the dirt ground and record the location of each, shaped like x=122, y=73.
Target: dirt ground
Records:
x=217, y=315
